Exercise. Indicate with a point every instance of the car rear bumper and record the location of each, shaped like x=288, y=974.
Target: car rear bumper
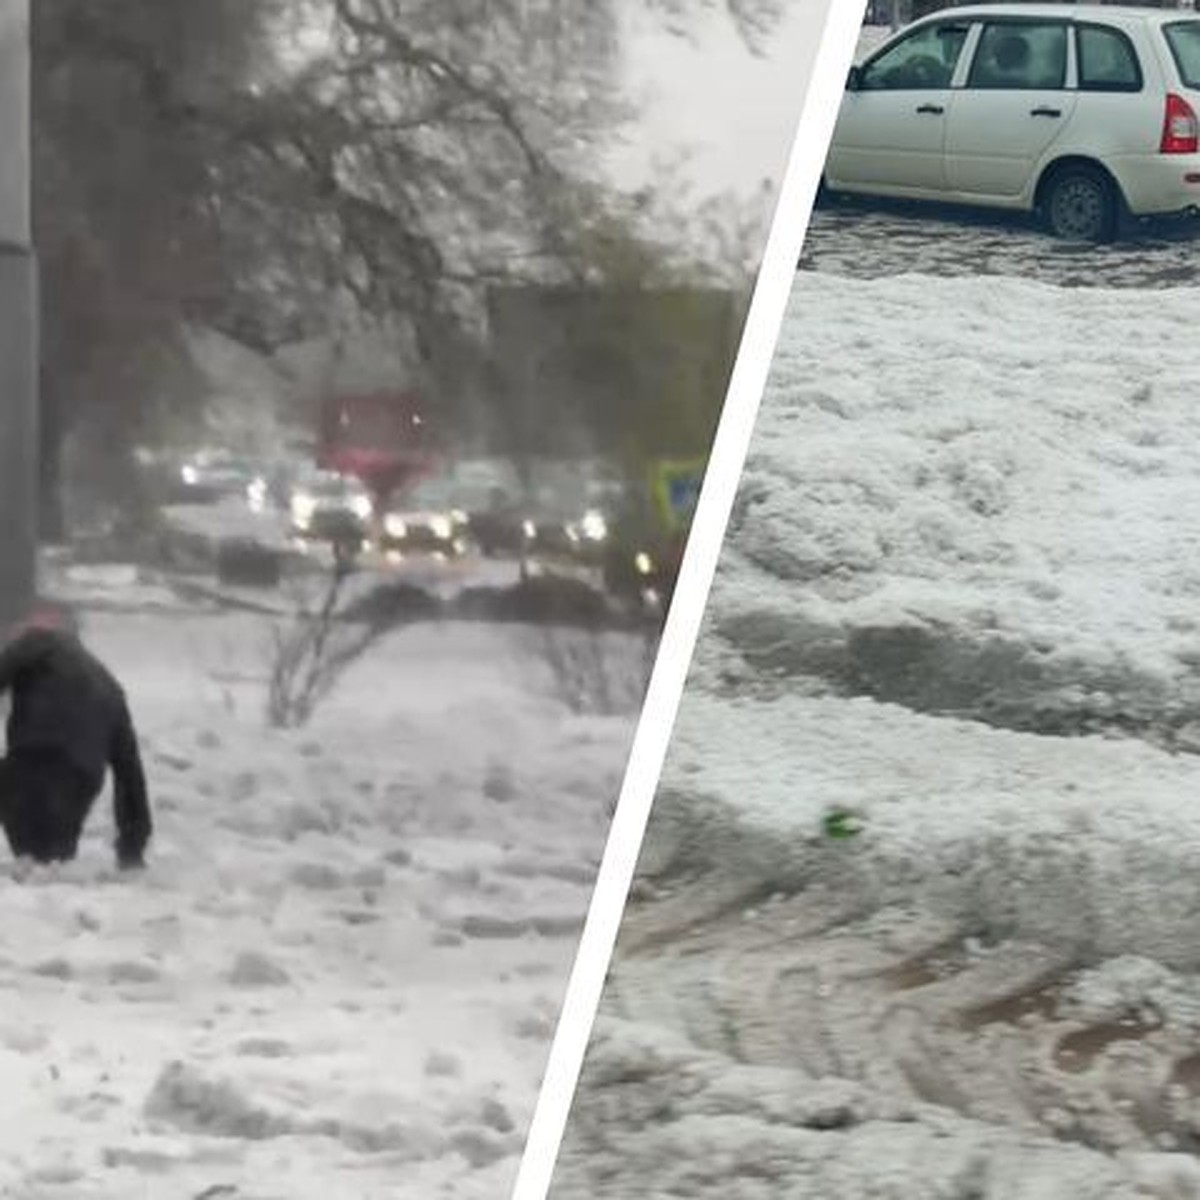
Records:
x=1158, y=184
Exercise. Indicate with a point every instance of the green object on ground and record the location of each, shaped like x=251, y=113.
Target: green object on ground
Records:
x=841, y=824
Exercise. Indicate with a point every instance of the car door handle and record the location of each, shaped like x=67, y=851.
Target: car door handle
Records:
x=1045, y=112
x=931, y=108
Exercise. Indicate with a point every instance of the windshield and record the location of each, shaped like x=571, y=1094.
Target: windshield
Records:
x=1184, y=39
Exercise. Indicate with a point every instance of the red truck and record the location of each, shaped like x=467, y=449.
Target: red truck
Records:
x=380, y=438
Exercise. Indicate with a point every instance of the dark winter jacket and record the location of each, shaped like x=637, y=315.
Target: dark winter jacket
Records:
x=65, y=701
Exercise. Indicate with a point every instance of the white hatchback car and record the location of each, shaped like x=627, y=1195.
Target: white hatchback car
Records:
x=1073, y=111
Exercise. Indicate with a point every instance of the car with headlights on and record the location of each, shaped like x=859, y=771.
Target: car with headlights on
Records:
x=566, y=523
x=211, y=476
x=426, y=519
x=324, y=506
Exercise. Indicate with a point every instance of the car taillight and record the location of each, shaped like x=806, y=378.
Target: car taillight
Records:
x=1181, y=130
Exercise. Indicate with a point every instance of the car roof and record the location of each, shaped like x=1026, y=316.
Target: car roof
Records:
x=1080, y=11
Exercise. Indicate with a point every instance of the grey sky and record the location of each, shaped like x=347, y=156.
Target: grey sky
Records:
x=706, y=94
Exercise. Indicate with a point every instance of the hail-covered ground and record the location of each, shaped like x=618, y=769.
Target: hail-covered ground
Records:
x=918, y=914
x=338, y=976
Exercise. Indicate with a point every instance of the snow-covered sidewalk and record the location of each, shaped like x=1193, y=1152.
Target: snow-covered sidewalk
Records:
x=340, y=973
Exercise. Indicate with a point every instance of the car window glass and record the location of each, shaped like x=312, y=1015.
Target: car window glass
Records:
x=1184, y=39
x=1107, y=61
x=924, y=59
x=1020, y=55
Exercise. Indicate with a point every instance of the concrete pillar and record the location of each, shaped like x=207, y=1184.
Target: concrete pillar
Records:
x=18, y=323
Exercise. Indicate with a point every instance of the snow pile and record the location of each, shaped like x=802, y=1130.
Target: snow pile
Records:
x=761, y=1132
x=340, y=973
x=965, y=529
x=1004, y=476
x=996, y=829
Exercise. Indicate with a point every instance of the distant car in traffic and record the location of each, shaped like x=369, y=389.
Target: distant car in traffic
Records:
x=568, y=515
x=1077, y=112
x=425, y=519
x=498, y=527
x=209, y=476
x=558, y=532
x=324, y=506
x=551, y=509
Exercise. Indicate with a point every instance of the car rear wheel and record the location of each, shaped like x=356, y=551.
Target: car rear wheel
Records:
x=1080, y=204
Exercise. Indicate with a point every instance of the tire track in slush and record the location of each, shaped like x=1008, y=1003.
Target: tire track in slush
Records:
x=989, y=1031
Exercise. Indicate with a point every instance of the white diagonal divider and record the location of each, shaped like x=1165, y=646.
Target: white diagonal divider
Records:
x=836, y=25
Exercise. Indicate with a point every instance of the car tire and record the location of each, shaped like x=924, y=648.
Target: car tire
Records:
x=1079, y=204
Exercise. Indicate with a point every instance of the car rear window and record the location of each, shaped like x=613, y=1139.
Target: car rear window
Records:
x=1107, y=61
x=1184, y=39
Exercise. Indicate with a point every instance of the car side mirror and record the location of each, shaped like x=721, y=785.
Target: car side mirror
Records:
x=853, y=79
